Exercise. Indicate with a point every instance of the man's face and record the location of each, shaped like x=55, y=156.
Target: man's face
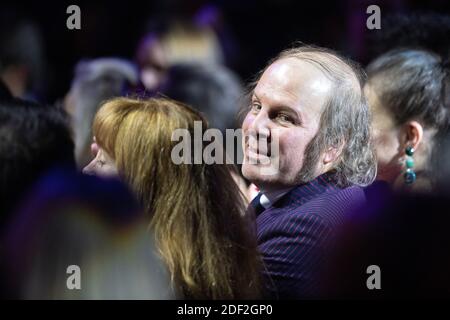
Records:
x=286, y=108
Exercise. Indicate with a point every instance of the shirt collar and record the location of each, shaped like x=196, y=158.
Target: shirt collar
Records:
x=301, y=193
x=269, y=198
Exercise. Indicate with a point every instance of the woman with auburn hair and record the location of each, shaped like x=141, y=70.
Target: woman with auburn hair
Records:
x=195, y=210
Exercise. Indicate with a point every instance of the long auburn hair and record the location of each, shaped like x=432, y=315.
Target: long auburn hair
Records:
x=195, y=210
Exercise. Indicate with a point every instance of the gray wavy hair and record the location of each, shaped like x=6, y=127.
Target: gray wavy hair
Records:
x=345, y=119
x=96, y=81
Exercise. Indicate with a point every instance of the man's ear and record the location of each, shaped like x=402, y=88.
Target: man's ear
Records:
x=412, y=134
x=331, y=155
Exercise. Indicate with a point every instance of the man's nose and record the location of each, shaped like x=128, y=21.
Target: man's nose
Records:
x=259, y=135
x=260, y=127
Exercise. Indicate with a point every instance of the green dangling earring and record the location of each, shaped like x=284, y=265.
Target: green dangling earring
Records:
x=410, y=175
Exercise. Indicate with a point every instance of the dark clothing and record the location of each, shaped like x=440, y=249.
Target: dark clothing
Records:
x=295, y=232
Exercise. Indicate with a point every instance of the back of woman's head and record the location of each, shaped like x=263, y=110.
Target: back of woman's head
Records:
x=196, y=210
x=137, y=134
x=413, y=85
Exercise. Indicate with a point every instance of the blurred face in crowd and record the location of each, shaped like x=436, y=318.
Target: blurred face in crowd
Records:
x=152, y=62
x=286, y=107
x=102, y=165
x=386, y=135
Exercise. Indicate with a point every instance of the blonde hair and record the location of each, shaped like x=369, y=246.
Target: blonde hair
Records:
x=195, y=210
x=185, y=43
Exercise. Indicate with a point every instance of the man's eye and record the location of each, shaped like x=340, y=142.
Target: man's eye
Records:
x=256, y=107
x=284, y=118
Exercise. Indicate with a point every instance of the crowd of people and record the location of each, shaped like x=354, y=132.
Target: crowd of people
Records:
x=343, y=168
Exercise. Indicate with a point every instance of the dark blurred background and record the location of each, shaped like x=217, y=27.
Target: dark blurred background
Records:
x=250, y=31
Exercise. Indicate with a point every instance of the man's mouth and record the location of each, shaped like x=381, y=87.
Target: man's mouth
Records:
x=255, y=156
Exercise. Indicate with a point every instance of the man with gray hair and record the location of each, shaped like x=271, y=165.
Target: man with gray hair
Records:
x=95, y=81
x=307, y=148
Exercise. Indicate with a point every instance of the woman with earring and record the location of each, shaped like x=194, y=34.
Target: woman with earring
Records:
x=407, y=94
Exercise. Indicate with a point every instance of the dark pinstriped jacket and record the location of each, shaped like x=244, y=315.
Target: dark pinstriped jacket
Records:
x=296, y=233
